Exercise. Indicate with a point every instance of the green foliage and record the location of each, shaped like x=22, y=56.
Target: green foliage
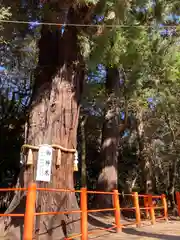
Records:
x=5, y=13
x=149, y=65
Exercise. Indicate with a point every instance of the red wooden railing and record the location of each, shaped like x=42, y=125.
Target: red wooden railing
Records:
x=178, y=202
x=148, y=207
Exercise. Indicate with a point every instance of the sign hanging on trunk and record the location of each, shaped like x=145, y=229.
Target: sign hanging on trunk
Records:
x=44, y=163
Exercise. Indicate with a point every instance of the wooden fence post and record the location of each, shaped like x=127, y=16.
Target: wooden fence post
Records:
x=29, y=214
x=84, y=215
x=152, y=214
x=137, y=209
x=117, y=210
x=165, y=207
x=178, y=201
x=146, y=206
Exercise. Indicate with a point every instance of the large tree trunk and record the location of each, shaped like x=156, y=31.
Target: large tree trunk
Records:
x=53, y=119
x=173, y=167
x=144, y=156
x=108, y=177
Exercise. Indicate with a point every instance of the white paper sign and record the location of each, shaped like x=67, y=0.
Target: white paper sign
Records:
x=44, y=163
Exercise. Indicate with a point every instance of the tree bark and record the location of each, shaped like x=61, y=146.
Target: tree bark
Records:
x=83, y=153
x=173, y=168
x=144, y=157
x=108, y=177
x=53, y=119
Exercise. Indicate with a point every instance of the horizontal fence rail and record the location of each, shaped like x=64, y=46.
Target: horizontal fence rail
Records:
x=150, y=205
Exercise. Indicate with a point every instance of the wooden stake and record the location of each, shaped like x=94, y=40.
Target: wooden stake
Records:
x=165, y=207
x=137, y=209
x=152, y=213
x=29, y=213
x=117, y=210
x=84, y=215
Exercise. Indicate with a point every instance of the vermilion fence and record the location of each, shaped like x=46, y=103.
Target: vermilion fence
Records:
x=178, y=202
x=148, y=207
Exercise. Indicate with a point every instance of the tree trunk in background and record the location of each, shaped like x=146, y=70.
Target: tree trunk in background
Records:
x=144, y=156
x=108, y=177
x=53, y=120
x=173, y=167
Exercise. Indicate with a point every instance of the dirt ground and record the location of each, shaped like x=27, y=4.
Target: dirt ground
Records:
x=164, y=231
x=161, y=230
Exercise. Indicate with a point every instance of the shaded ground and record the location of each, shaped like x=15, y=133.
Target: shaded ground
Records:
x=161, y=230
x=164, y=231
